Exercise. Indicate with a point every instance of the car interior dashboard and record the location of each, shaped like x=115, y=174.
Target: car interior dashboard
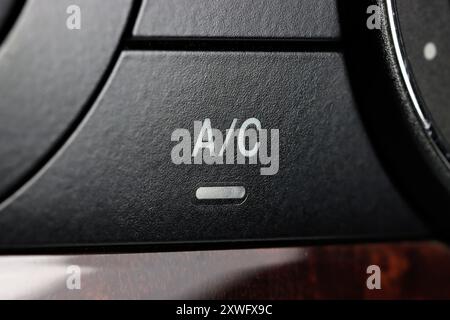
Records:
x=224, y=149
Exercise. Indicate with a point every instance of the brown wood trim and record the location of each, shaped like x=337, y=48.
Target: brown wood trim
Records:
x=408, y=271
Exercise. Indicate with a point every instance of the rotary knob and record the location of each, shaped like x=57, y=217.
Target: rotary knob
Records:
x=400, y=70
x=420, y=32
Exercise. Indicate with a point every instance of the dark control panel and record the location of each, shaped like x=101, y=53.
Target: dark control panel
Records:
x=180, y=122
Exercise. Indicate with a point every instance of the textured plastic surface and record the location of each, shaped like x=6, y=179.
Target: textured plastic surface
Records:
x=237, y=18
x=47, y=74
x=115, y=183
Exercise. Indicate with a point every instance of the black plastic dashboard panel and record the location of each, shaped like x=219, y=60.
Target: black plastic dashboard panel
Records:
x=239, y=19
x=47, y=74
x=114, y=180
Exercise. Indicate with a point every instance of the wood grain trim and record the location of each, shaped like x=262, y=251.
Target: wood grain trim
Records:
x=409, y=271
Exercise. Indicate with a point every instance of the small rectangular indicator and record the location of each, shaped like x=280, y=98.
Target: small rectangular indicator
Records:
x=220, y=193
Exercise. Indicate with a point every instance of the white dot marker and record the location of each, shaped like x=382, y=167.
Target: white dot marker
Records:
x=430, y=51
